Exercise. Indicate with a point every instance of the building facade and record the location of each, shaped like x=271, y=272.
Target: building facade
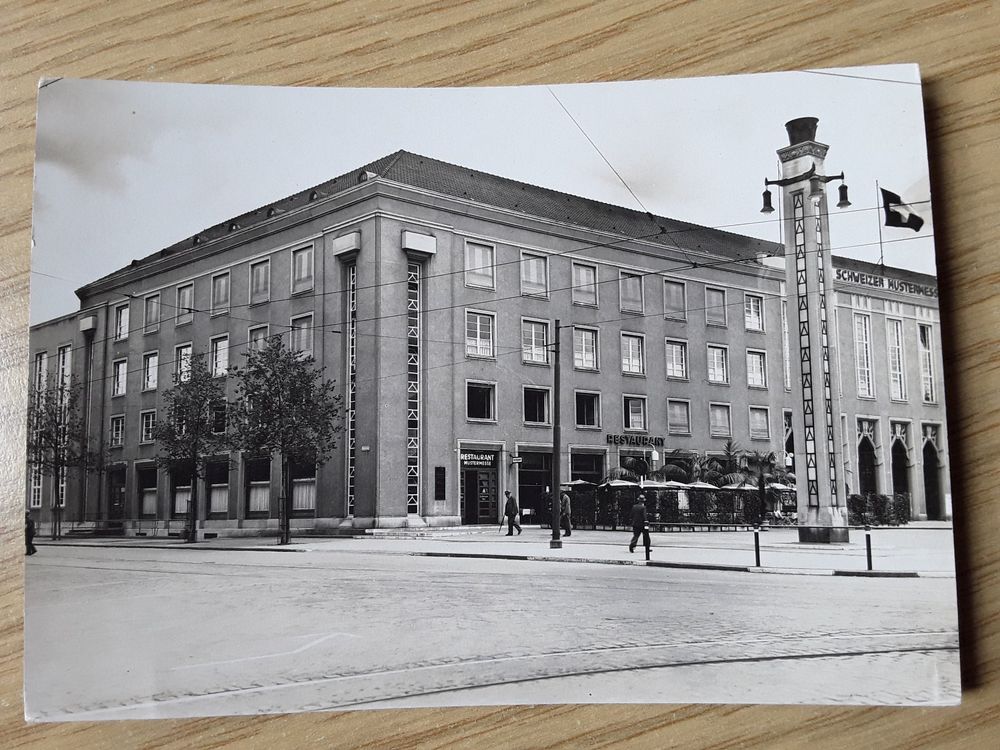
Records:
x=431, y=292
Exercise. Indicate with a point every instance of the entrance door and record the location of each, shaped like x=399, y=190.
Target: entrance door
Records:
x=932, y=484
x=900, y=474
x=116, y=495
x=866, y=467
x=479, y=496
x=533, y=476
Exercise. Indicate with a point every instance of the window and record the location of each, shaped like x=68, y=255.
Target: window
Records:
x=185, y=304
x=863, y=355
x=220, y=356
x=715, y=306
x=220, y=294
x=302, y=270
x=479, y=334
x=64, y=366
x=41, y=371
x=479, y=265
x=676, y=359
x=753, y=312
x=584, y=284
x=756, y=369
x=121, y=322
x=117, y=431
x=588, y=409
x=719, y=424
x=760, y=423
x=302, y=334
x=897, y=377
x=632, y=358
x=119, y=372
x=182, y=363
x=151, y=313
x=674, y=300
x=585, y=349
x=36, y=487
x=534, y=335
x=534, y=274
x=786, y=358
x=219, y=417
x=634, y=412
x=150, y=365
x=678, y=417
x=927, y=364
x=148, y=424
x=630, y=291
x=479, y=401
x=718, y=364
x=257, y=338
x=260, y=282
x=536, y=405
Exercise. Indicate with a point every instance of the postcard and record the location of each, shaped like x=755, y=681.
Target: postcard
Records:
x=352, y=399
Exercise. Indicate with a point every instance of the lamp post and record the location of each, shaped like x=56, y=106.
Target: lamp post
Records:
x=556, y=542
x=822, y=507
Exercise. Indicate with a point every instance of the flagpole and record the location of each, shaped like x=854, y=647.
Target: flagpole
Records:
x=878, y=203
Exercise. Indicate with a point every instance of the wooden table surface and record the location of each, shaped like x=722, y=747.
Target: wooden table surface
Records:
x=440, y=42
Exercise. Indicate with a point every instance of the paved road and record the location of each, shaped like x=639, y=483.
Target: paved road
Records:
x=144, y=633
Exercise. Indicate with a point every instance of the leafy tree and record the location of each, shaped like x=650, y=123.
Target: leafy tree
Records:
x=187, y=433
x=284, y=406
x=57, y=438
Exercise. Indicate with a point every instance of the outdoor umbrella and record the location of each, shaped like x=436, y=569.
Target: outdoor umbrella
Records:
x=652, y=484
x=701, y=486
x=674, y=485
x=780, y=487
x=578, y=484
x=746, y=486
x=619, y=483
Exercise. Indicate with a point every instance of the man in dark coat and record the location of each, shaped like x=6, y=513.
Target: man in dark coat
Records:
x=639, y=523
x=564, y=512
x=511, y=510
x=29, y=535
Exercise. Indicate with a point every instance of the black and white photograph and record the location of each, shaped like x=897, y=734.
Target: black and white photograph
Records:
x=348, y=399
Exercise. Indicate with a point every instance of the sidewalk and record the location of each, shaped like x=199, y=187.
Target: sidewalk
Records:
x=917, y=550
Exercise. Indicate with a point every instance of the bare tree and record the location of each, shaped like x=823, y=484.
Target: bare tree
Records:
x=189, y=432
x=57, y=440
x=284, y=406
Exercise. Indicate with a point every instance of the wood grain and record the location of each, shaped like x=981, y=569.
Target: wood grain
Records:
x=463, y=43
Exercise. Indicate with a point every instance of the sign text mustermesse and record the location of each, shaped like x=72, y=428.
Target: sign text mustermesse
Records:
x=480, y=459
x=885, y=282
x=635, y=440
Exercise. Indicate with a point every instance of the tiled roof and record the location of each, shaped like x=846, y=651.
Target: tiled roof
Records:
x=461, y=182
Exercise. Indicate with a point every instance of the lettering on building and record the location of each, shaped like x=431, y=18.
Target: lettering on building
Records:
x=653, y=440
x=885, y=282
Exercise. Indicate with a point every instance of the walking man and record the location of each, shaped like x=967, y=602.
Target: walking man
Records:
x=29, y=535
x=639, y=523
x=511, y=510
x=564, y=511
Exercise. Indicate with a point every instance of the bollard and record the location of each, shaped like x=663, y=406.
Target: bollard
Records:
x=756, y=545
x=647, y=544
x=868, y=544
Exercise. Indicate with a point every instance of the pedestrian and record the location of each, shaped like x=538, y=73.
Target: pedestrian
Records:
x=511, y=510
x=29, y=535
x=639, y=523
x=564, y=511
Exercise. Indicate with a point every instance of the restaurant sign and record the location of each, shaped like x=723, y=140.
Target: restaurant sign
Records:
x=478, y=459
x=635, y=440
x=884, y=282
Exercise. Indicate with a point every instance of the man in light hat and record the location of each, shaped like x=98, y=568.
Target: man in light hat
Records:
x=639, y=523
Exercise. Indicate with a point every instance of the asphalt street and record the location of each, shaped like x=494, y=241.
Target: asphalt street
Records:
x=116, y=633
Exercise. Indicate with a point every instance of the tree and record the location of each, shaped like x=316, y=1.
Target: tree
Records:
x=284, y=406
x=188, y=433
x=57, y=439
x=762, y=469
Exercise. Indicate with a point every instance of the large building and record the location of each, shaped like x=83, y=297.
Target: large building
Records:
x=431, y=293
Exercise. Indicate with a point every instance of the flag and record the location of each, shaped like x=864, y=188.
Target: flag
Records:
x=899, y=214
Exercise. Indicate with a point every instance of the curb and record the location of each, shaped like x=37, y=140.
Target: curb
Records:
x=177, y=545
x=541, y=558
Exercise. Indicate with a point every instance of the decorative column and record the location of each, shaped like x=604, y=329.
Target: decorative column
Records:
x=822, y=509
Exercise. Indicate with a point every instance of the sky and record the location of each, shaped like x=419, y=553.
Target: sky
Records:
x=123, y=169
